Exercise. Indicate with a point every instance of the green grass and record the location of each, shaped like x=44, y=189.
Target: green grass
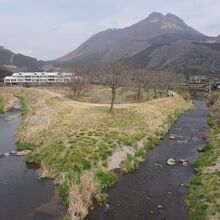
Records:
x=106, y=179
x=1, y=105
x=204, y=189
x=133, y=160
x=88, y=146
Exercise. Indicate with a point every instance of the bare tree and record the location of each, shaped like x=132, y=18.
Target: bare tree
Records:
x=76, y=84
x=161, y=81
x=113, y=76
x=139, y=82
x=80, y=80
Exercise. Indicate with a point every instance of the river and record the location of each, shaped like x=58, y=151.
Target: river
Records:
x=157, y=191
x=23, y=195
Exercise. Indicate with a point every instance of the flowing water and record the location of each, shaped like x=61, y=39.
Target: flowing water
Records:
x=156, y=190
x=23, y=195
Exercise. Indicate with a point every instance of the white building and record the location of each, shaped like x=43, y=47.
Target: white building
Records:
x=38, y=78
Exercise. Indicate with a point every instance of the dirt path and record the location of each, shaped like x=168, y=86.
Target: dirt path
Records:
x=156, y=190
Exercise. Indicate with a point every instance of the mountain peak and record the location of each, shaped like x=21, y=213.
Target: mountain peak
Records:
x=174, y=18
x=132, y=39
x=171, y=15
x=155, y=15
x=158, y=17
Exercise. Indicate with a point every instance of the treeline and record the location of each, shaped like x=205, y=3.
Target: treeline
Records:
x=117, y=75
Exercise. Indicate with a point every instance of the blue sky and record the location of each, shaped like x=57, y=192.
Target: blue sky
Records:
x=48, y=29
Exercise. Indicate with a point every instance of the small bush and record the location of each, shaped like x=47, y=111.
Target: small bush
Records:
x=24, y=146
x=102, y=198
x=184, y=92
x=208, y=147
x=1, y=105
x=106, y=179
x=210, y=121
x=64, y=192
x=130, y=164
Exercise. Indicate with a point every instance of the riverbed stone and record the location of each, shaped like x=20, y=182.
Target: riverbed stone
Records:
x=184, y=162
x=107, y=206
x=182, y=141
x=160, y=207
x=6, y=154
x=11, y=117
x=171, y=162
x=201, y=149
x=13, y=152
x=23, y=153
x=173, y=136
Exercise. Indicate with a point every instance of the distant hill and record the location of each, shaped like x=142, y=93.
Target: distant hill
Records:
x=217, y=39
x=180, y=55
x=13, y=61
x=114, y=44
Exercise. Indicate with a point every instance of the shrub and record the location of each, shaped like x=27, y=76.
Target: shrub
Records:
x=106, y=179
x=102, y=198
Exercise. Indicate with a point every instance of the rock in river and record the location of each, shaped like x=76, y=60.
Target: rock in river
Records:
x=13, y=152
x=23, y=153
x=173, y=136
x=171, y=162
x=184, y=162
x=201, y=149
x=160, y=207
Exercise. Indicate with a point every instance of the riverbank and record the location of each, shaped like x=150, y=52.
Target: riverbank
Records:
x=73, y=142
x=204, y=197
x=23, y=196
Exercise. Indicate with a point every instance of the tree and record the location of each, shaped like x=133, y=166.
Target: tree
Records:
x=77, y=84
x=80, y=80
x=139, y=82
x=159, y=82
x=113, y=76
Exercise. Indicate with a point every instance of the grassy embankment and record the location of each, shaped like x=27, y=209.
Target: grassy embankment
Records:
x=204, y=190
x=72, y=141
x=6, y=102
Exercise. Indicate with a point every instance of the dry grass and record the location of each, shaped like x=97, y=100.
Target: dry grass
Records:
x=8, y=99
x=73, y=140
x=81, y=196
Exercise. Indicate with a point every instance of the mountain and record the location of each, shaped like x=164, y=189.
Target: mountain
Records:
x=181, y=55
x=217, y=39
x=18, y=62
x=114, y=44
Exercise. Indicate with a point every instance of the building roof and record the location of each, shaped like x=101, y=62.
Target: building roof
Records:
x=42, y=73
